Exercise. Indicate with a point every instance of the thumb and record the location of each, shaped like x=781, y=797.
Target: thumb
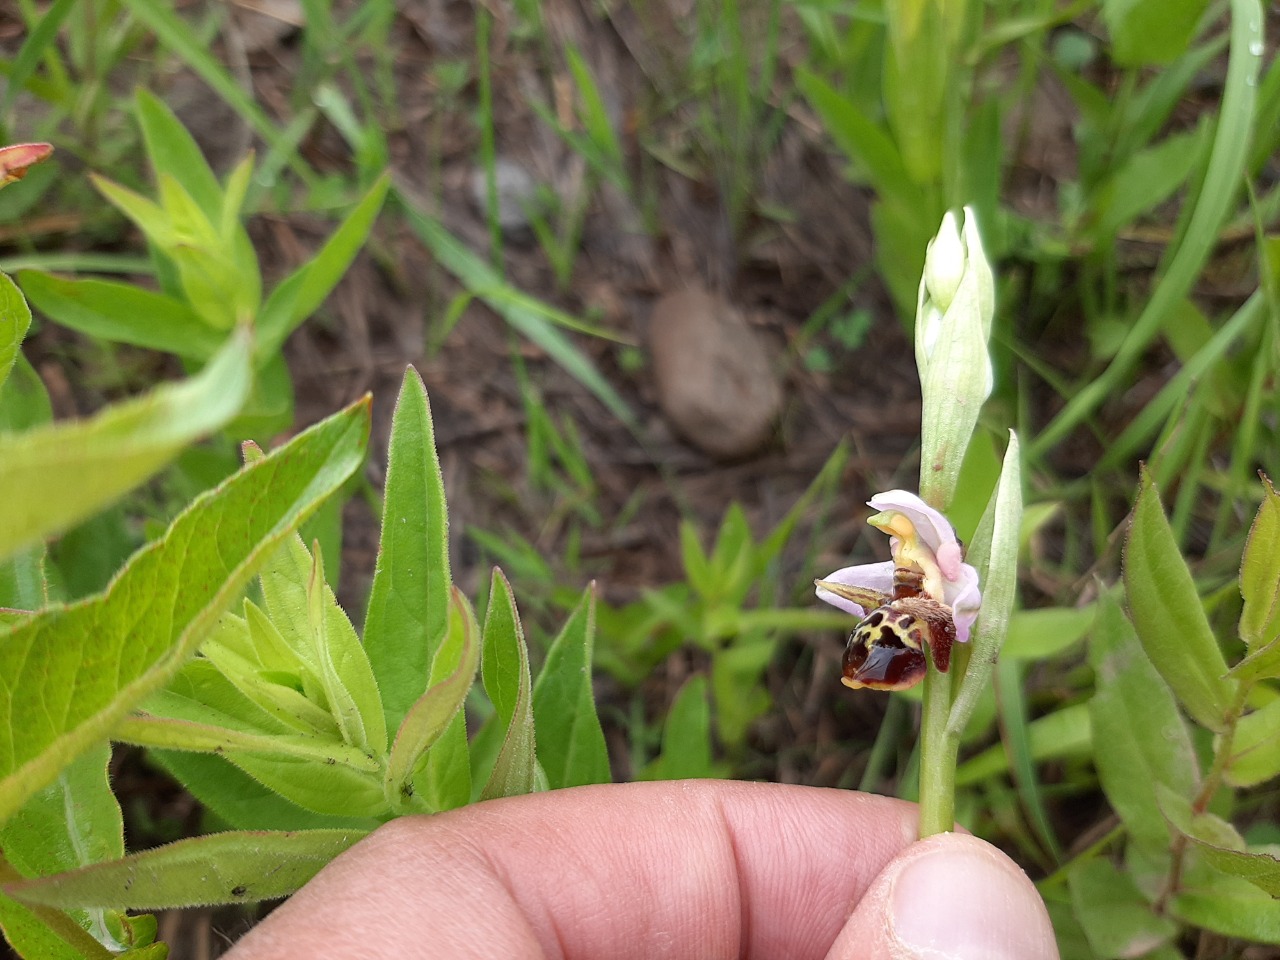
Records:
x=948, y=897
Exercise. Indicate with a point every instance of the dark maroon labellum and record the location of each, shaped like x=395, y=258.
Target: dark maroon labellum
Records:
x=886, y=649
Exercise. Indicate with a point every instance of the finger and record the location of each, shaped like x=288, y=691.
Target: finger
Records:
x=697, y=869
x=949, y=897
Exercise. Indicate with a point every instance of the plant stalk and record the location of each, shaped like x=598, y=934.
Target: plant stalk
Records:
x=938, y=750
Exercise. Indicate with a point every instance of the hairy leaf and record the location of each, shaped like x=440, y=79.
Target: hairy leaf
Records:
x=73, y=671
x=218, y=868
x=409, y=599
x=1168, y=615
x=452, y=675
x=505, y=671
x=571, y=744
x=1139, y=737
x=1260, y=574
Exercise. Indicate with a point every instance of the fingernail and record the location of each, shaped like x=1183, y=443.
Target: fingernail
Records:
x=963, y=900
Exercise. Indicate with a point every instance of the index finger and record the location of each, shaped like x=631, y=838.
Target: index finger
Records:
x=697, y=869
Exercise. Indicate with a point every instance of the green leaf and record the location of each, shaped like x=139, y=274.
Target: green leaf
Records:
x=1168, y=616
x=1147, y=32
x=686, y=738
x=167, y=733
x=303, y=609
x=1262, y=664
x=1117, y=919
x=123, y=313
x=301, y=293
x=176, y=34
x=15, y=318
x=29, y=936
x=863, y=141
x=72, y=672
x=1139, y=737
x=505, y=672
x=43, y=35
x=1048, y=632
x=1146, y=179
x=1219, y=845
x=241, y=801
x=173, y=152
x=74, y=821
x=273, y=688
x=740, y=698
x=1064, y=733
x=24, y=402
x=237, y=867
x=1260, y=574
x=697, y=568
x=349, y=684
x=452, y=674
x=149, y=216
x=1214, y=202
x=1255, y=748
x=571, y=745
x=1229, y=906
x=409, y=600
x=51, y=477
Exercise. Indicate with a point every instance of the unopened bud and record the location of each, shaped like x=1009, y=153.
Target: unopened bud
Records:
x=953, y=324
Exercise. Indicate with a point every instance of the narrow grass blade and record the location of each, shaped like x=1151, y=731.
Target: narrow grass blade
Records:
x=1213, y=205
x=482, y=281
x=39, y=40
x=73, y=671
x=181, y=39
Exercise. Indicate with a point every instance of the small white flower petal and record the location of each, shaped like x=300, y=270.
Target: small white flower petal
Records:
x=872, y=576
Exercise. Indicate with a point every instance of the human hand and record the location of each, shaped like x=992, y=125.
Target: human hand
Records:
x=693, y=869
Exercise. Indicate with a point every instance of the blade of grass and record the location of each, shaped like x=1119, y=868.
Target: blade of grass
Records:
x=482, y=281
x=41, y=38
x=1222, y=182
x=178, y=37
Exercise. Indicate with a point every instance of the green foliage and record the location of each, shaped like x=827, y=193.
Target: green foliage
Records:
x=710, y=611
x=207, y=269
x=284, y=693
x=1186, y=865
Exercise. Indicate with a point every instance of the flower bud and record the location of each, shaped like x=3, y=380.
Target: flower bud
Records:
x=953, y=324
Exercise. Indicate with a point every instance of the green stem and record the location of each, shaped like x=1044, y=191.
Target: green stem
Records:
x=938, y=749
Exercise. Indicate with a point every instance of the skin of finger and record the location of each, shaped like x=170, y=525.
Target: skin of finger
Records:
x=696, y=869
x=1006, y=913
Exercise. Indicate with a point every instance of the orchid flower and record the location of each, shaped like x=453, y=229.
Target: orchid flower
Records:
x=926, y=594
